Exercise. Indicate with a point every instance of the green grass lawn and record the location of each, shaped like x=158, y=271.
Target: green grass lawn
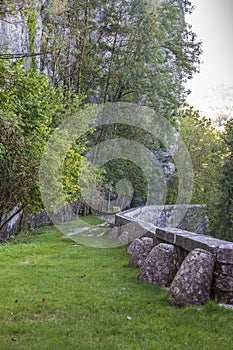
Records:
x=55, y=294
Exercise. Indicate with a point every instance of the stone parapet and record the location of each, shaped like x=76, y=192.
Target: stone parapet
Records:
x=185, y=242
x=190, y=217
x=221, y=250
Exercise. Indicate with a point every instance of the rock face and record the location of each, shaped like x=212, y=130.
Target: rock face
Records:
x=191, y=285
x=14, y=28
x=158, y=265
x=14, y=33
x=139, y=249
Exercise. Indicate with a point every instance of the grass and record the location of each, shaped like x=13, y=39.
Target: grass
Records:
x=81, y=221
x=55, y=294
x=93, y=233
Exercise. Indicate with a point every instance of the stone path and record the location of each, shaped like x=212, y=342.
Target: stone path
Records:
x=90, y=231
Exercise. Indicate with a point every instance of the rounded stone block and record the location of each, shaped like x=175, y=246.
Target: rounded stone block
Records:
x=139, y=249
x=158, y=265
x=191, y=285
x=131, y=248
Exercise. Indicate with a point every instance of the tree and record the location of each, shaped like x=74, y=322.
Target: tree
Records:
x=107, y=51
x=144, y=56
x=27, y=111
x=132, y=51
x=224, y=227
x=205, y=148
x=30, y=111
x=124, y=50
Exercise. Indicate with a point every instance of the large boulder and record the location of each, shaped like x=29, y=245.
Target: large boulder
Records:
x=139, y=249
x=191, y=285
x=158, y=265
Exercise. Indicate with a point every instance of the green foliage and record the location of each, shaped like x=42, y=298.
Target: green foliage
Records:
x=118, y=169
x=6, y=6
x=32, y=30
x=59, y=295
x=30, y=111
x=71, y=175
x=132, y=51
x=78, y=174
x=123, y=51
x=225, y=205
x=205, y=148
x=124, y=169
x=25, y=118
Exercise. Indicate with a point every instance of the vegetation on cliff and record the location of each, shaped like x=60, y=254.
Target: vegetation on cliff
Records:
x=81, y=52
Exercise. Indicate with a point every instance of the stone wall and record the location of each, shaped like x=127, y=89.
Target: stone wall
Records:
x=185, y=244
x=222, y=251
x=190, y=217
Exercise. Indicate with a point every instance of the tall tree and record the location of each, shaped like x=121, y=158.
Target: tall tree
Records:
x=225, y=223
x=122, y=51
x=205, y=149
x=30, y=111
x=108, y=51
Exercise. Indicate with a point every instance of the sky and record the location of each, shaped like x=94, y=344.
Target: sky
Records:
x=212, y=88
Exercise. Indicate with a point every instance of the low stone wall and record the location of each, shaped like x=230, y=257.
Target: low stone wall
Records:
x=184, y=243
x=222, y=252
x=193, y=217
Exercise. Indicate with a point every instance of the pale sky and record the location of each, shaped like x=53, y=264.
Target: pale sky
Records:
x=212, y=88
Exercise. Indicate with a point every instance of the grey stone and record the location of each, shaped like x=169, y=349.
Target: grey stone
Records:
x=224, y=283
x=165, y=235
x=124, y=238
x=224, y=297
x=226, y=270
x=158, y=265
x=190, y=241
x=195, y=219
x=131, y=248
x=176, y=236
x=111, y=232
x=191, y=285
x=10, y=222
x=140, y=249
x=225, y=253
